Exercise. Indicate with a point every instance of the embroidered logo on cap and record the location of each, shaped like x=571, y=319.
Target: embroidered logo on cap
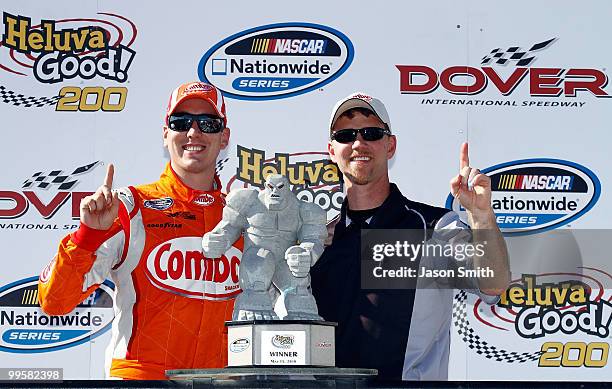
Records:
x=198, y=87
x=363, y=97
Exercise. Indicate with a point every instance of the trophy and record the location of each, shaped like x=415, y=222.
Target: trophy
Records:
x=283, y=238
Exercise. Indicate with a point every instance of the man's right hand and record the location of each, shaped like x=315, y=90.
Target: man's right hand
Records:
x=100, y=210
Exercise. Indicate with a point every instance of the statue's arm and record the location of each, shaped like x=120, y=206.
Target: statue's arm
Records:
x=313, y=231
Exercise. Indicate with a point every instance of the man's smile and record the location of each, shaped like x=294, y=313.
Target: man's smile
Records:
x=360, y=158
x=193, y=148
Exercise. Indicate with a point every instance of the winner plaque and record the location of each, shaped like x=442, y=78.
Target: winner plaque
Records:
x=281, y=343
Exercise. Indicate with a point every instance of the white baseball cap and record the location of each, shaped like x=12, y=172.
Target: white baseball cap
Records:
x=360, y=100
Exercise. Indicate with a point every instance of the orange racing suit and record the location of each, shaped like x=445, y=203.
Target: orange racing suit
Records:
x=170, y=301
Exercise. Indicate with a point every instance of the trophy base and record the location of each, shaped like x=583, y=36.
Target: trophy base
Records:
x=298, y=376
x=278, y=343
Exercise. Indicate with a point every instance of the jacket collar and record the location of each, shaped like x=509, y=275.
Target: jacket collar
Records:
x=385, y=216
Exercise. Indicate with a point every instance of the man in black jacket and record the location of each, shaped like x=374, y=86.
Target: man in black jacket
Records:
x=404, y=333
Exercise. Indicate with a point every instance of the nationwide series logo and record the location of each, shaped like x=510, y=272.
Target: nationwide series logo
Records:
x=557, y=306
x=54, y=51
x=43, y=195
x=313, y=177
x=503, y=71
x=534, y=195
x=25, y=328
x=159, y=204
x=276, y=61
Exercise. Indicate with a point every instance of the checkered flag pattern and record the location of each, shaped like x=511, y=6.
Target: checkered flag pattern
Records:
x=55, y=177
x=474, y=341
x=220, y=164
x=10, y=97
x=522, y=58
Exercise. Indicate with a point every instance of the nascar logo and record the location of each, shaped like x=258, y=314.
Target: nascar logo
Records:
x=528, y=182
x=536, y=195
x=276, y=61
x=289, y=46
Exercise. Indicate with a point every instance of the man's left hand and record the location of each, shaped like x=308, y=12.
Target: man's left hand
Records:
x=473, y=191
x=472, y=188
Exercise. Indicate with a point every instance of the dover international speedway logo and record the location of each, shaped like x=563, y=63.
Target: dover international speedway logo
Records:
x=54, y=51
x=25, y=328
x=534, y=195
x=503, y=71
x=276, y=61
x=37, y=204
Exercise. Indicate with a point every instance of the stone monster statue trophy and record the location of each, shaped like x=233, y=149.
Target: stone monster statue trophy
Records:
x=283, y=238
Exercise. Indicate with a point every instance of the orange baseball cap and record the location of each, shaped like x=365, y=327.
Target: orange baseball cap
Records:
x=197, y=90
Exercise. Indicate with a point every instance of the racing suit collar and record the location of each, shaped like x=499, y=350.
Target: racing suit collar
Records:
x=173, y=184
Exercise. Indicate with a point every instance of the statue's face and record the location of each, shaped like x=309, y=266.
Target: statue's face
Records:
x=276, y=192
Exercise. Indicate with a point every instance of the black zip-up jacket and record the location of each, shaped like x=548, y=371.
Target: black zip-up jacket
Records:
x=373, y=325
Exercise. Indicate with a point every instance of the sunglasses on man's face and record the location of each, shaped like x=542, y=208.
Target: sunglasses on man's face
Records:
x=206, y=123
x=349, y=135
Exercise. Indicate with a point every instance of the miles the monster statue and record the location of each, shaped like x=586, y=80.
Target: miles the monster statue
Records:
x=283, y=238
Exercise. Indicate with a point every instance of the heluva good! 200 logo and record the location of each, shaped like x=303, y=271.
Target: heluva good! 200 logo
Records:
x=76, y=49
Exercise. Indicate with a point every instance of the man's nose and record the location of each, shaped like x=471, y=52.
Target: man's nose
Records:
x=193, y=130
x=359, y=141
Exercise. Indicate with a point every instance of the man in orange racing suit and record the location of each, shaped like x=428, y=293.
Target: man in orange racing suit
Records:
x=170, y=302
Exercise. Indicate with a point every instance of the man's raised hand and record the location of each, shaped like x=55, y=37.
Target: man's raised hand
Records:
x=100, y=210
x=470, y=186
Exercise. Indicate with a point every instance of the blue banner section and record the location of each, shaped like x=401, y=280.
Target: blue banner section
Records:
x=269, y=84
x=38, y=337
x=522, y=220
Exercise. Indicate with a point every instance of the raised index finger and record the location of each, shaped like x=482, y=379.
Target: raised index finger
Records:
x=108, y=180
x=464, y=159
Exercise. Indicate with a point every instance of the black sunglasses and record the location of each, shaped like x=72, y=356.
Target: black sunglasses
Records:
x=349, y=135
x=206, y=123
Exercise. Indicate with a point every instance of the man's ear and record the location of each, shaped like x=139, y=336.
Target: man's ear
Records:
x=391, y=146
x=165, y=135
x=331, y=151
x=225, y=137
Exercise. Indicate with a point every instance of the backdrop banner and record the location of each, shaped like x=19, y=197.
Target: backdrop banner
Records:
x=84, y=84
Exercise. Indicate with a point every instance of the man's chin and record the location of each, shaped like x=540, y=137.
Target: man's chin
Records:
x=358, y=179
x=194, y=166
